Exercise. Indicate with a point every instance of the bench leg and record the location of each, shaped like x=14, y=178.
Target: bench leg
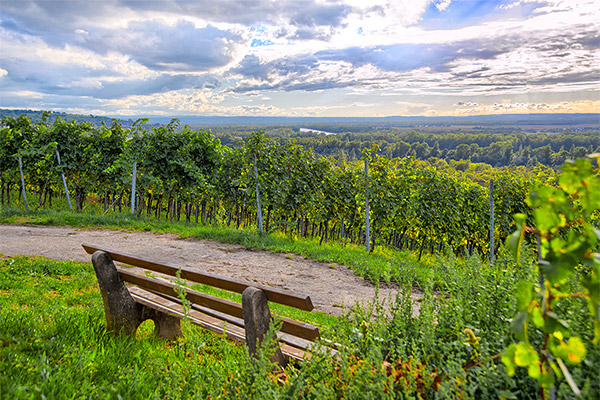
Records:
x=257, y=318
x=165, y=326
x=123, y=313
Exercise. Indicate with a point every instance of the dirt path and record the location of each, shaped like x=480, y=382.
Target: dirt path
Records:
x=329, y=286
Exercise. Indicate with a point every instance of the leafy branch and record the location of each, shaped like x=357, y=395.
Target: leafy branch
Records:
x=567, y=240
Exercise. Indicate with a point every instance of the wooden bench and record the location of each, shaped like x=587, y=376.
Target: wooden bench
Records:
x=153, y=293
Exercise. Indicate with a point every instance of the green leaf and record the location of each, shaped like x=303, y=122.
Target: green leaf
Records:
x=545, y=380
x=534, y=371
x=525, y=293
x=508, y=359
x=576, y=350
x=526, y=355
x=519, y=325
x=515, y=240
x=573, y=351
x=536, y=316
x=557, y=269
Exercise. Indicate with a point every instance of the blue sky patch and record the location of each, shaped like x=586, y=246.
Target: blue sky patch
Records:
x=260, y=43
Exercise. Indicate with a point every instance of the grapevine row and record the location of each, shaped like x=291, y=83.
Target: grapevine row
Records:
x=188, y=174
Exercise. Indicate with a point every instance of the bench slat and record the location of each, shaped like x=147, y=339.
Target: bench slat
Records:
x=302, y=302
x=293, y=327
x=208, y=311
x=291, y=347
x=289, y=339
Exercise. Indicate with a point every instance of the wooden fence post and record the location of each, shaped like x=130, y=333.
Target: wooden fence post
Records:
x=133, y=174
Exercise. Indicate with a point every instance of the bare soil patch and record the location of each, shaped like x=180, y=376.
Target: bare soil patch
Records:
x=330, y=287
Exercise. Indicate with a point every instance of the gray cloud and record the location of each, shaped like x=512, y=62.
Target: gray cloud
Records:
x=252, y=67
x=41, y=15
x=298, y=72
x=183, y=55
x=291, y=73
x=290, y=85
x=128, y=87
x=60, y=79
x=182, y=47
x=406, y=57
x=321, y=15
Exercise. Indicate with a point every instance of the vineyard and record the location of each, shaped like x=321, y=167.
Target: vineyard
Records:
x=277, y=187
x=527, y=327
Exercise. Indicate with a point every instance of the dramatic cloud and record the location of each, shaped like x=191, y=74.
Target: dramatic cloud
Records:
x=417, y=57
x=181, y=47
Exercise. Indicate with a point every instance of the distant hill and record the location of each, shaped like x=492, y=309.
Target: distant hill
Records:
x=485, y=120
x=36, y=116
x=331, y=124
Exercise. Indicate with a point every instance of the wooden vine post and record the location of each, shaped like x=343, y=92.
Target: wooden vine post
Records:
x=23, y=184
x=367, y=202
x=64, y=181
x=492, y=248
x=259, y=211
x=133, y=174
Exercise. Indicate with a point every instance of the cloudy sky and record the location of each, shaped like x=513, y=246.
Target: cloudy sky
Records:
x=300, y=57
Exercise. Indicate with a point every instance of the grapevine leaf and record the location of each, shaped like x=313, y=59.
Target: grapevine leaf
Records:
x=508, y=359
x=573, y=351
x=519, y=325
x=515, y=241
x=536, y=316
x=558, y=269
x=525, y=293
x=526, y=355
x=576, y=350
x=546, y=380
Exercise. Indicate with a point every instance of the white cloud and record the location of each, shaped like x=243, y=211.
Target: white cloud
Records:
x=24, y=94
x=581, y=106
x=441, y=5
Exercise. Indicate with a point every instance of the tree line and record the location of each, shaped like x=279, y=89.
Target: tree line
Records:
x=503, y=147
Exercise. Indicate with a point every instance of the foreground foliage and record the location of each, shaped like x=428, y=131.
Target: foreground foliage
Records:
x=54, y=344
x=567, y=240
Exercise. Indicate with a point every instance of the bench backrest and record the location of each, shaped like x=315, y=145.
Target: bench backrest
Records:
x=287, y=298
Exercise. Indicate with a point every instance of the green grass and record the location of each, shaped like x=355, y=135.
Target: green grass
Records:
x=54, y=344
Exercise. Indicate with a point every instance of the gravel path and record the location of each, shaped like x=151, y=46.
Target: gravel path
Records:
x=330, y=286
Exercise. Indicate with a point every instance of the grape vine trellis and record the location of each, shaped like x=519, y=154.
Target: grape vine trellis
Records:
x=185, y=173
